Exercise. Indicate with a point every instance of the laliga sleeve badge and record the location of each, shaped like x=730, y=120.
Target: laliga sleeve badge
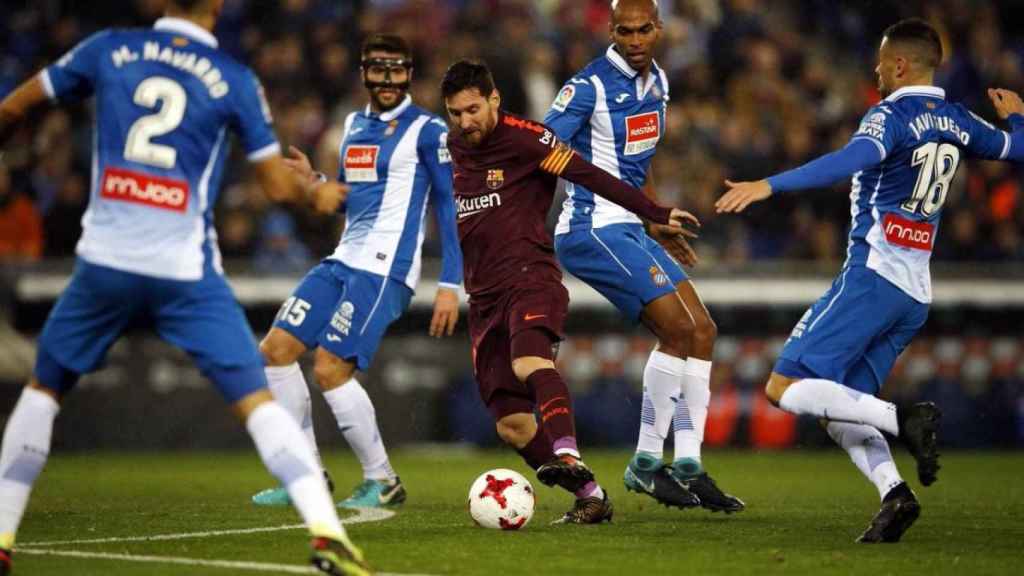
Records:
x=392, y=126
x=564, y=98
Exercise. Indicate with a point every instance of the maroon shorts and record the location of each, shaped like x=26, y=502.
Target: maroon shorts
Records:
x=493, y=324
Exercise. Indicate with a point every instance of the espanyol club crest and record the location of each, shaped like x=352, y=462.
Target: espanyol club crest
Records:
x=658, y=277
x=495, y=179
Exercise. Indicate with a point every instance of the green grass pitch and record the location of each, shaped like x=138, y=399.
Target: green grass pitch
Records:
x=804, y=511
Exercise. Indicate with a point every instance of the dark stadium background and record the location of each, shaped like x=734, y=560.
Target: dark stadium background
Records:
x=756, y=86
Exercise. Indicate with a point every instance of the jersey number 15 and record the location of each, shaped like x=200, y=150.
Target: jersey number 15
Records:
x=938, y=164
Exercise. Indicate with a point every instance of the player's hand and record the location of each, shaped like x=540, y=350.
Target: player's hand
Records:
x=674, y=241
x=446, y=313
x=326, y=197
x=299, y=164
x=741, y=195
x=679, y=218
x=1006, y=102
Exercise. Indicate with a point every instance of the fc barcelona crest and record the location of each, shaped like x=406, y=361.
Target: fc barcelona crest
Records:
x=495, y=179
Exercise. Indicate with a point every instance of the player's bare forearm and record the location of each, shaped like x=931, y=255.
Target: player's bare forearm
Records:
x=282, y=184
x=18, y=104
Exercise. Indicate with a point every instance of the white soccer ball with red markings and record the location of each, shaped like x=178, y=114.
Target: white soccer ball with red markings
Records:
x=501, y=499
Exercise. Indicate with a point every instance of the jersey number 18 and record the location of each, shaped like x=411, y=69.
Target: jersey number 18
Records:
x=938, y=164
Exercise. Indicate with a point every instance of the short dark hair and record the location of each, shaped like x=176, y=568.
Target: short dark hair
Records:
x=187, y=5
x=920, y=35
x=387, y=43
x=466, y=74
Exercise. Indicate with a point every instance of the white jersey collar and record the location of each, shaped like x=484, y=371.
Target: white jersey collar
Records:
x=186, y=28
x=933, y=91
x=394, y=112
x=619, y=62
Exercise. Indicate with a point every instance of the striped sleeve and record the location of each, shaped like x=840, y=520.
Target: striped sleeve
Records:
x=557, y=160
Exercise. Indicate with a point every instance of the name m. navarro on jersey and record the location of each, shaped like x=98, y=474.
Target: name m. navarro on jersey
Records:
x=199, y=67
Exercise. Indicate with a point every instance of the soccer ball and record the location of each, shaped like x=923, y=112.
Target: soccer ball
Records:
x=501, y=499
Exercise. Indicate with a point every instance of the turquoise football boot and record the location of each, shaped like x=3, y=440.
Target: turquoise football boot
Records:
x=376, y=494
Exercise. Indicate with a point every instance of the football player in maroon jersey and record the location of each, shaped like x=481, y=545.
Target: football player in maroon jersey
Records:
x=506, y=169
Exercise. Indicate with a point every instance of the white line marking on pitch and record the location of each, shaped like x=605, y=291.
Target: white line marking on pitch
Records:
x=364, y=515
x=252, y=566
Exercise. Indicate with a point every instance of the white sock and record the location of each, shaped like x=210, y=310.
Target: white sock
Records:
x=662, y=377
x=692, y=409
x=289, y=458
x=288, y=385
x=357, y=420
x=832, y=401
x=26, y=445
x=869, y=452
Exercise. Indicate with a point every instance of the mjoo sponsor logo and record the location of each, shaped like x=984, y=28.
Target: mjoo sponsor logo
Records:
x=907, y=233
x=361, y=163
x=642, y=132
x=128, y=186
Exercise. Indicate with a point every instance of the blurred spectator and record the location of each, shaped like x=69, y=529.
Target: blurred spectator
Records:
x=757, y=87
x=279, y=252
x=21, y=231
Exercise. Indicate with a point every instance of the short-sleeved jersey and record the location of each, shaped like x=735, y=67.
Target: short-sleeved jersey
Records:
x=165, y=100
x=614, y=118
x=503, y=190
x=896, y=205
x=397, y=163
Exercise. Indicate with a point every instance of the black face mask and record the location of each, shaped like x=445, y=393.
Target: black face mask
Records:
x=389, y=65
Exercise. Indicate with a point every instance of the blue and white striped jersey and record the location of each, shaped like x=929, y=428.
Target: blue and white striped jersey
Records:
x=396, y=163
x=896, y=204
x=165, y=99
x=614, y=118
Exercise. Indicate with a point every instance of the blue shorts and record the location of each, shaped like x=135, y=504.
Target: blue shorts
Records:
x=202, y=317
x=622, y=262
x=343, y=310
x=854, y=333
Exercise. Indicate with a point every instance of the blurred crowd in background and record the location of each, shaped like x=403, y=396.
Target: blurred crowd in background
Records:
x=756, y=86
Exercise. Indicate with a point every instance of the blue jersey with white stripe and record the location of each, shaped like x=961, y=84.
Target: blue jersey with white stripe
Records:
x=896, y=204
x=614, y=118
x=165, y=100
x=397, y=163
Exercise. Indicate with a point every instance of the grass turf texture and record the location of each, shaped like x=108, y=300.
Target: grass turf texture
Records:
x=804, y=511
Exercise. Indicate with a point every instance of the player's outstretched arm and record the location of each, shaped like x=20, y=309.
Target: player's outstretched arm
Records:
x=282, y=183
x=565, y=162
x=18, y=104
x=861, y=153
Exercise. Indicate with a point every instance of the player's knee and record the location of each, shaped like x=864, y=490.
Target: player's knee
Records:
x=675, y=337
x=517, y=430
x=331, y=372
x=705, y=331
x=524, y=367
x=775, y=388
x=278, y=353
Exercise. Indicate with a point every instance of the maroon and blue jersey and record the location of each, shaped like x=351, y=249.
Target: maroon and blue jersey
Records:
x=166, y=99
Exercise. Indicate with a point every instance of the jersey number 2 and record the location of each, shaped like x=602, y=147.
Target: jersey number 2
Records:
x=938, y=164
x=172, y=100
